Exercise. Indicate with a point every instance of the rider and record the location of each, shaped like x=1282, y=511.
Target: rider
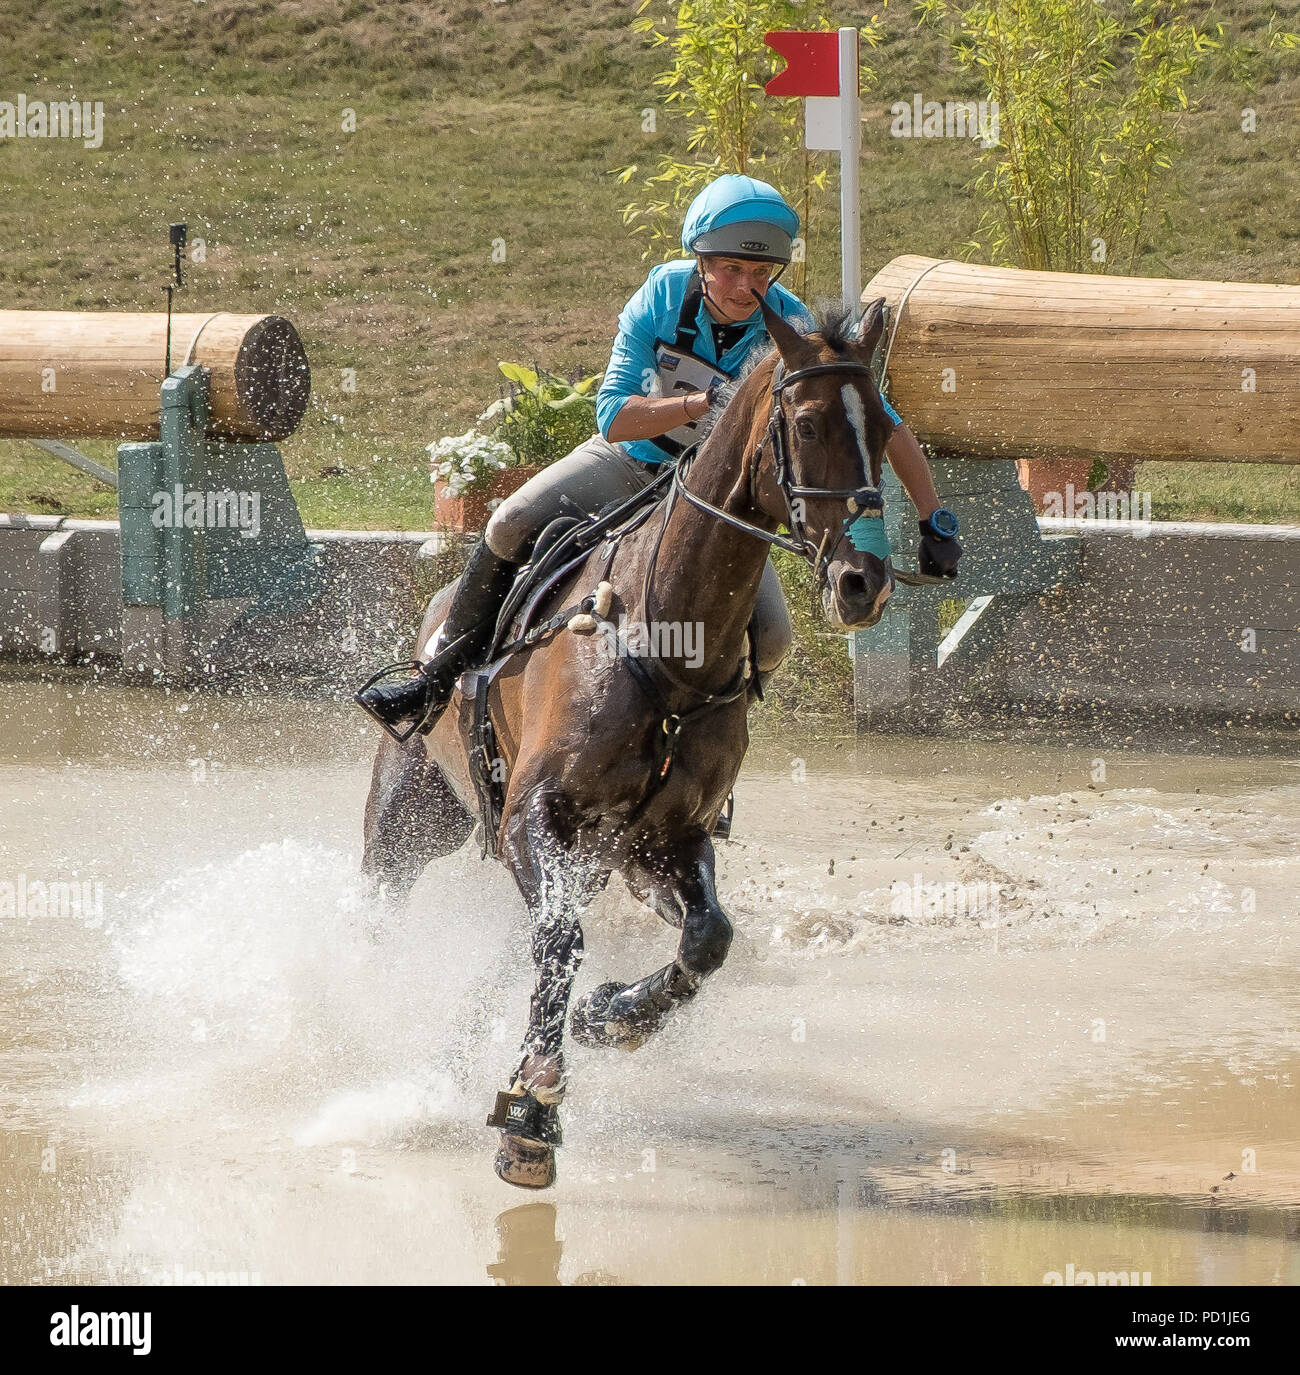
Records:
x=689, y=329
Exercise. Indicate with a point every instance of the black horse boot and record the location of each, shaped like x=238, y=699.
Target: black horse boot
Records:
x=465, y=633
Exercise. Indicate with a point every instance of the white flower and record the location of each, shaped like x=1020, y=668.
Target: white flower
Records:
x=464, y=459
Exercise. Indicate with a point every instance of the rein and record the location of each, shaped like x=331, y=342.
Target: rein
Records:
x=863, y=500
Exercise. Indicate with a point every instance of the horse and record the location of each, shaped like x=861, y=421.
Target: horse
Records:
x=615, y=761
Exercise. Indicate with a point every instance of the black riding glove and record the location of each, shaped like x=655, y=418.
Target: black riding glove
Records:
x=937, y=558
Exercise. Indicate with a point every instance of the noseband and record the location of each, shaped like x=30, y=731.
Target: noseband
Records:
x=863, y=500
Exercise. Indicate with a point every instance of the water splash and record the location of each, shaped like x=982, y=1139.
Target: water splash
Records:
x=275, y=980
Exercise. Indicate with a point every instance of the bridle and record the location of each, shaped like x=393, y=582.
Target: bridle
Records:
x=862, y=500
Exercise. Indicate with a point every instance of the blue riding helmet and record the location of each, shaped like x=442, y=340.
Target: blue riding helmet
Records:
x=741, y=217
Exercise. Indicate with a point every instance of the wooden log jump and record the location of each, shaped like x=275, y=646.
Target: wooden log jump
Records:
x=999, y=363
x=66, y=374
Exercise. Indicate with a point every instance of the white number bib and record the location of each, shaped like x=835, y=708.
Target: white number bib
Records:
x=680, y=373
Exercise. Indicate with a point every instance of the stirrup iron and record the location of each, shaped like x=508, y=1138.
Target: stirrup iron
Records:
x=391, y=671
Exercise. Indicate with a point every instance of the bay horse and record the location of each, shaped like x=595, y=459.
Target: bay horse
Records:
x=617, y=762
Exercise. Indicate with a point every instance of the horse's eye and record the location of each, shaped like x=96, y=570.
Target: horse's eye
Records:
x=805, y=428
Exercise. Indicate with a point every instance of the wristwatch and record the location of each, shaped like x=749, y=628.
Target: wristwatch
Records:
x=940, y=523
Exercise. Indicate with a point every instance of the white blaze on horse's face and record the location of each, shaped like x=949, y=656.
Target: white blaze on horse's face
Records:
x=857, y=415
x=855, y=593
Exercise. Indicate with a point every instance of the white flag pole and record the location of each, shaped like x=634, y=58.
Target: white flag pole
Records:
x=850, y=143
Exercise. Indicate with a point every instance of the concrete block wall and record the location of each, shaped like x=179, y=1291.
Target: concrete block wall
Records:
x=1202, y=619
x=1164, y=617
x=61, y=598
x=60, y=588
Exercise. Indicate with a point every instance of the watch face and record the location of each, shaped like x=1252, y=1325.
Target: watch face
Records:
x=943, y=523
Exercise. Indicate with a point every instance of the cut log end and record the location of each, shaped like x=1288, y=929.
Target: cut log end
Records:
x=272, y=380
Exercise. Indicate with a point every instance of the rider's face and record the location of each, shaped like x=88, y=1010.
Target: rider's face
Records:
x=731, y=285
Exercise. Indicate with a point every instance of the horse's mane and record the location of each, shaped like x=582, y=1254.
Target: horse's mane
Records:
x=831, y=323
x=835, y=324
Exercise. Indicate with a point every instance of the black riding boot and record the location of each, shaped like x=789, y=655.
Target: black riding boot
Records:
x=471, y=619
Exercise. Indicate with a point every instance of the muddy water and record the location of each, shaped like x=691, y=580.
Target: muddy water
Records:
x=992, y=1012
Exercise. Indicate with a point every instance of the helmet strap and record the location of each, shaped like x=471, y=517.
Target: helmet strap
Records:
x=704, y=282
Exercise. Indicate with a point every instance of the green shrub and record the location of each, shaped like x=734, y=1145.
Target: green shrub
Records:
x=1091, y=99
x=543, y=417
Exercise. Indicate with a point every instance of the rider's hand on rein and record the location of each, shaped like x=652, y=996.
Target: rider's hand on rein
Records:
x=937, y=557
x=695, y=398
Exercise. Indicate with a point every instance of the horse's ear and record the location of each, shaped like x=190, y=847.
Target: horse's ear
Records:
x=794, y=348
x=871, y=326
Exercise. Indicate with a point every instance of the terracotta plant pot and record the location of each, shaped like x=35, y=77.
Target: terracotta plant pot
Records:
x=1040, y=476
x=470, y=512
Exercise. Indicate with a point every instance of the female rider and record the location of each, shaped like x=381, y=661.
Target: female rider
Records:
x=689, y=329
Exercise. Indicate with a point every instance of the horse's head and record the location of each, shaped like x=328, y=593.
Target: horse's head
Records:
x=819, y=465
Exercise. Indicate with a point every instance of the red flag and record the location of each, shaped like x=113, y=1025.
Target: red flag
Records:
x=812, y=62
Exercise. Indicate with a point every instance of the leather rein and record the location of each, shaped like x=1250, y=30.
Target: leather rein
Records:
x=864, y=499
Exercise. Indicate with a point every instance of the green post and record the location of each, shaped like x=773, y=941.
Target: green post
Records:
x=183, y=583
x=183, y=428
x=161, y=561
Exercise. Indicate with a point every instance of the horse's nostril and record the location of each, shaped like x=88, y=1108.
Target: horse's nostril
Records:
x=853, y=586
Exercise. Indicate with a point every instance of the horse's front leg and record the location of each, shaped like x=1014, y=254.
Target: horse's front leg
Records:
x=627, y=1015
x=556, y=888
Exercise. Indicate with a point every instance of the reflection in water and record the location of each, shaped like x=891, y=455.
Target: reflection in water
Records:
x=529, y=1249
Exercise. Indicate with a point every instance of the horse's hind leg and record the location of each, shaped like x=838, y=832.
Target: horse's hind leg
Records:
x=627, y=1015
x=556, y=888
x=412, y=817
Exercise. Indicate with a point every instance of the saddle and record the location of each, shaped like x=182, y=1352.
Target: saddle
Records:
x=564, y=544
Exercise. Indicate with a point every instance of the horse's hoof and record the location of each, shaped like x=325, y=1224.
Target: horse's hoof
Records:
x=591, y=1024
x=525, y=1164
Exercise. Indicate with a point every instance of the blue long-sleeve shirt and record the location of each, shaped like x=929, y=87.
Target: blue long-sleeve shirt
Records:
x=651, y=317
